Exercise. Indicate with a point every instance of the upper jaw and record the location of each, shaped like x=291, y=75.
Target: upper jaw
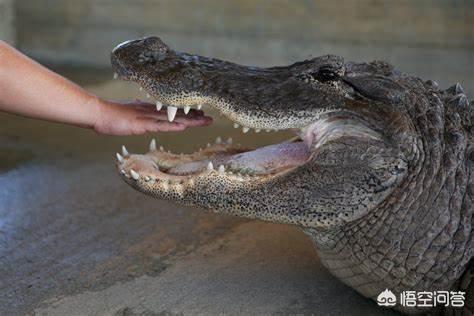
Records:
x=242, y=111
x=251, y=97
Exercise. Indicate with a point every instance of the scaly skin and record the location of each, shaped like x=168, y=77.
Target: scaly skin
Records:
x=380, y=175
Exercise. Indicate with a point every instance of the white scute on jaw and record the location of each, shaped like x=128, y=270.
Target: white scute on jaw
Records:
x=218, y=140
x=221, y=169
x=186, y=109
x=199, y=106
x=135, y=175
x=159, y=105
x=236, y=125
x=119, y=158
x=210, y=166
x=124, y=151
x=152, y=145
x=171, y=111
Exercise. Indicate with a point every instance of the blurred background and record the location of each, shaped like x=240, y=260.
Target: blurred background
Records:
x=75, y=240
x=431, y=38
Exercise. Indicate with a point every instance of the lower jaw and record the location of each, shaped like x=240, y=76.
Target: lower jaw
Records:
x=221, y=157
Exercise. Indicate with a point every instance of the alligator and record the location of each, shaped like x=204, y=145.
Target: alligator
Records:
x=379, y=173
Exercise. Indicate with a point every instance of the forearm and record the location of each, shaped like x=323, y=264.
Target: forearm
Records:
x=29, y=89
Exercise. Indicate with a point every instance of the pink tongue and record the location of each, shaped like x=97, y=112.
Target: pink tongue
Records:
x=270, y=158
x=262, y=160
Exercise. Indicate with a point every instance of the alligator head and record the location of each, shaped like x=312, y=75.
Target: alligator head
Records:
x=368, y=143
x=314, y=98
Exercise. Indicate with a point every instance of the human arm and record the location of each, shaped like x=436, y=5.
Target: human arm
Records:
x=30, y=89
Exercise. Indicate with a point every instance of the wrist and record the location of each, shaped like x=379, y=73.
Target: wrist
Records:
x=96, y=108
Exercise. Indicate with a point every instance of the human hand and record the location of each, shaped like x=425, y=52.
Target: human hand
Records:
x=137, y=117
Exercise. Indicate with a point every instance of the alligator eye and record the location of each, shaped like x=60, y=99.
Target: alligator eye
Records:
x=325, y=74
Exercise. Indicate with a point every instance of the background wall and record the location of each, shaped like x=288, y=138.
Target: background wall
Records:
x=432, y=38
x=7, y=29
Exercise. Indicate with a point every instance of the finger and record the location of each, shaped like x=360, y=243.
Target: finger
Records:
x=187, y=120
x=138, y=105
x=191, y=112
x=163, y=126
x=190, y=122
x=151, y=108
x=194, y=122
x=204, y=121
x=147, y=106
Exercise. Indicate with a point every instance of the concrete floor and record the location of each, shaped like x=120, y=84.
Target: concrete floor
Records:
x=75, y=240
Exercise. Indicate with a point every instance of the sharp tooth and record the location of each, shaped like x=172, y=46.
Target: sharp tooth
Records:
x=159, y=105
x=229, y=141
x=236, y=125
x=148, y=95
x=171, y=110
x=141, y=89
x=208, y=145
x=245, y=129
x=221, y=169
x=123, y=171
x=186, y=109
x=134, y=174
x=268, y=130
x=218, y=140
x=115, y=75
x=161, y=148
x=124, y=151
x=153, y=145
x=199, y=106
x=147, y=178
x=119, y=157
x=210, y=166
x=258, y=130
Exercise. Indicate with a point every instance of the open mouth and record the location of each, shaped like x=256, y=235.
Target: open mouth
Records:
x=254, y=99
x=221, y=158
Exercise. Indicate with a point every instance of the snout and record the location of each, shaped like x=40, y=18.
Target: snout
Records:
x=137, y=54
x=120, y=71
x=121, y=56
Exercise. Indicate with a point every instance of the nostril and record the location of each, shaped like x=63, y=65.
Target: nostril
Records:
x=151, y=40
